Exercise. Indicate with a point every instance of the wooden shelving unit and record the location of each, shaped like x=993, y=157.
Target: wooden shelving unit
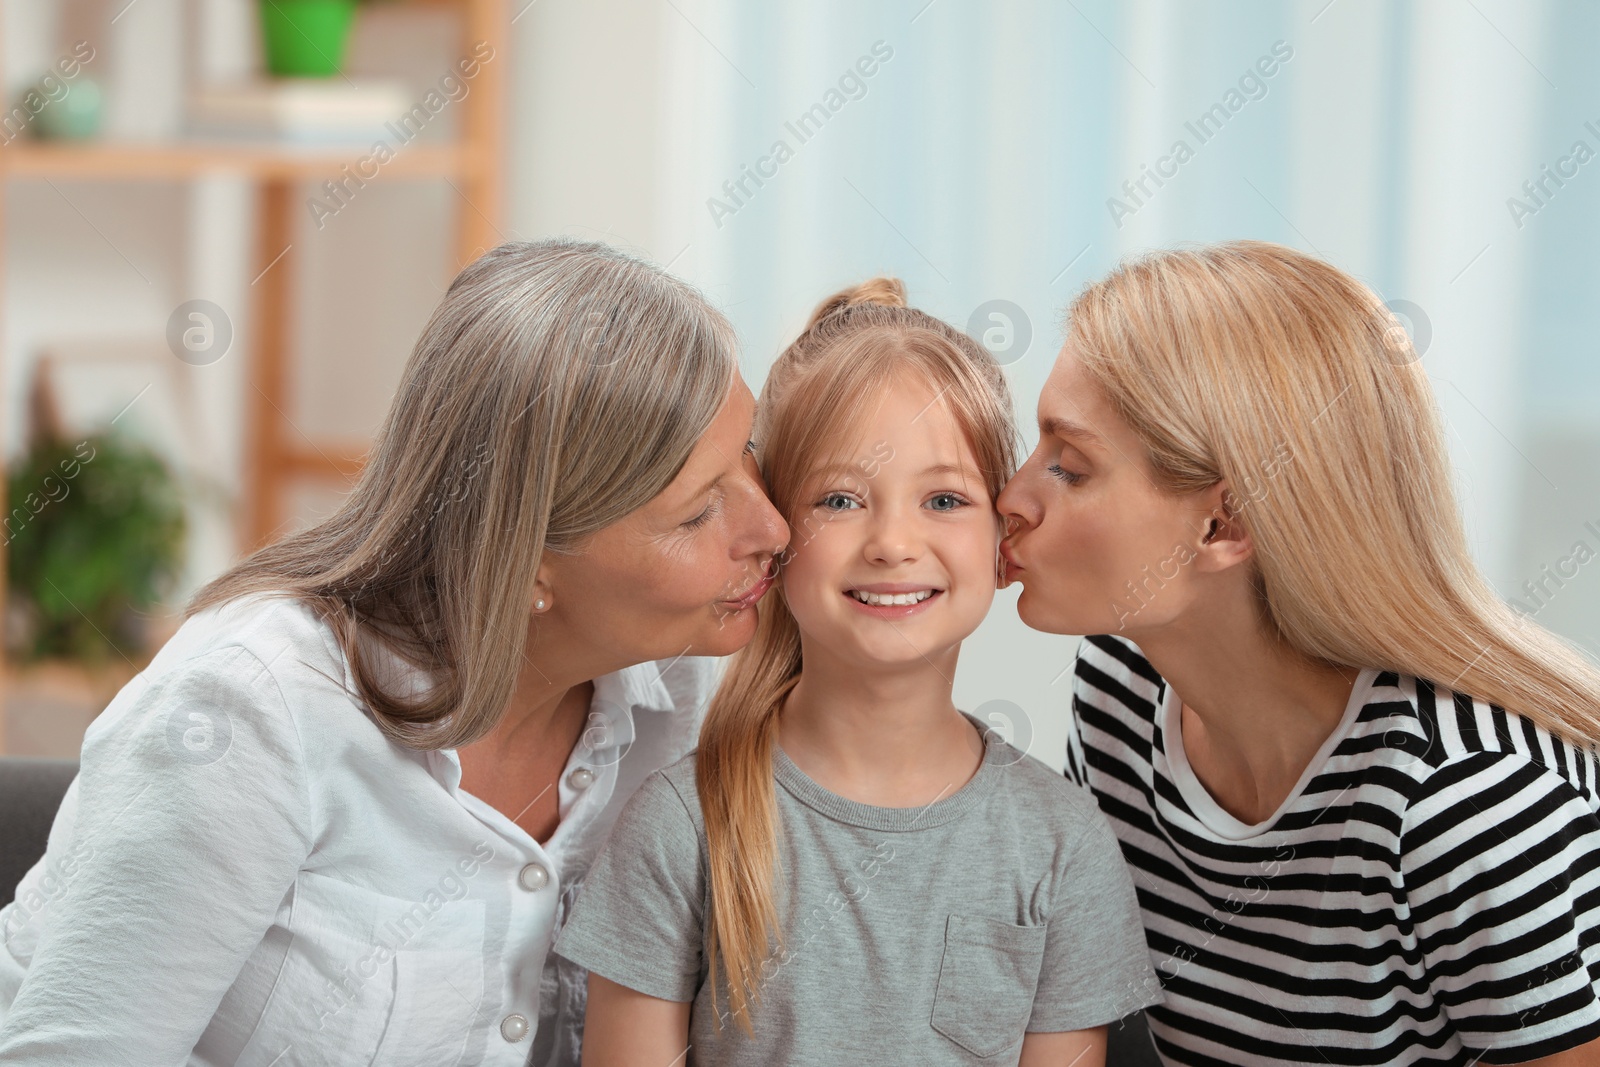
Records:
x=276, y=455
x=110, y=161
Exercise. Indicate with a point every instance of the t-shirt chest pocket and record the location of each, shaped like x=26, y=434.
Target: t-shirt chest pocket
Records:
x=987, y=978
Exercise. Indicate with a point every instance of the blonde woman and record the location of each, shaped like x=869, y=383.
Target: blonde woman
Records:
x=1358, y=794
x=341, y=816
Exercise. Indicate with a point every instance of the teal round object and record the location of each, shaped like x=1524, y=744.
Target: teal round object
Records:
x=72, y=116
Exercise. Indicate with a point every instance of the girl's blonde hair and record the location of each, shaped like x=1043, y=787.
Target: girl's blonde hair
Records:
x=1272, y=370
x=559, y=386
x=815, y=399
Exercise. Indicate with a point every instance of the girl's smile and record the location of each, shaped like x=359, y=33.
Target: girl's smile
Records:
x=893, y=600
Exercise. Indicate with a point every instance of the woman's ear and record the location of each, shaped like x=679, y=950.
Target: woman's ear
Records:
x=543, y=594
x=999, y=557
x=1221, y=539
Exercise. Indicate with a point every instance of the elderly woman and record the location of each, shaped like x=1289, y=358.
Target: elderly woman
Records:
x=1357, y=793
x=341, y=815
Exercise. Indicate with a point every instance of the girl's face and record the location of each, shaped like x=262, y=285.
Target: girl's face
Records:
x=893, y=558
x=1098, y=547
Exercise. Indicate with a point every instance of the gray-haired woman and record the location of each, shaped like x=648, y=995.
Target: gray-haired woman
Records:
x=341, y=815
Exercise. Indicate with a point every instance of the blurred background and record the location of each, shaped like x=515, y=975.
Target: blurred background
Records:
x=212, y=273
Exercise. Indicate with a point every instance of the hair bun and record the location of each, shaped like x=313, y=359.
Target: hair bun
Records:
x=886, y=292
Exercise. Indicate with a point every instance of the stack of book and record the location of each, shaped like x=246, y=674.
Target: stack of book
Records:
x=298, y=110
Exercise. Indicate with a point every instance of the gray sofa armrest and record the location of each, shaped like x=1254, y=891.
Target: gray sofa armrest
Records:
x=30, y=792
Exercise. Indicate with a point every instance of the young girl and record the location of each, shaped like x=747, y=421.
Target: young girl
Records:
x=850, y=870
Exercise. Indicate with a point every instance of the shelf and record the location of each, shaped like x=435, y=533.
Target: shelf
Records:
x=114, y=161
x=277, y=457
x=330, y=460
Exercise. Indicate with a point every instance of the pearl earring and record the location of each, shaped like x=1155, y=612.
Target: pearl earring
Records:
x=538, y=605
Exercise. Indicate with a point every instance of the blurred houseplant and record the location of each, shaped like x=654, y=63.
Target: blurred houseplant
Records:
x=95, y=536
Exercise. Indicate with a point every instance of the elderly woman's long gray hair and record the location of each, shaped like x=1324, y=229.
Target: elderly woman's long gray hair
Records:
x=558, y=387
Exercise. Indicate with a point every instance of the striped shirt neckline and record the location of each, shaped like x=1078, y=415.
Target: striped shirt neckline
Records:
x=1204, y=807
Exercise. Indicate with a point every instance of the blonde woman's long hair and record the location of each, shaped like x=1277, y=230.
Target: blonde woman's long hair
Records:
x=1258, y=365
x=815, y=400
x=558, y=386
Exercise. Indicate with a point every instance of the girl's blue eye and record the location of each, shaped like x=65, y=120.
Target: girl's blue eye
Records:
x=837, y=502
x=1066, y=476
x=954, y=502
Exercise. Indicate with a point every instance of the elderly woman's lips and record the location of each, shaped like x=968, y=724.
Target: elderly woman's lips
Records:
x=753, y=594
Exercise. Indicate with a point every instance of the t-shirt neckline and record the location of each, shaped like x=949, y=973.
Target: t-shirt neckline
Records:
x=872, y=817
x=1204, y=807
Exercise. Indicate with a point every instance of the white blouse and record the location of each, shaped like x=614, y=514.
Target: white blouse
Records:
x=247, y=871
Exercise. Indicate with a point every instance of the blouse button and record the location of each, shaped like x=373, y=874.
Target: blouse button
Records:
x=580, y=778
x=514, y=1028
x=533, y=878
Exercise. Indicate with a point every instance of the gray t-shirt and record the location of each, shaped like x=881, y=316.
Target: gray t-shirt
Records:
x=931, y=935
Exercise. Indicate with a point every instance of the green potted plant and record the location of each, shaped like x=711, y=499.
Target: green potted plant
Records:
x=305, y=38
x=95, y=536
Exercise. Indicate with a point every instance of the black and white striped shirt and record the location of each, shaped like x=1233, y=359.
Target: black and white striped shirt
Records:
x=1428, y=893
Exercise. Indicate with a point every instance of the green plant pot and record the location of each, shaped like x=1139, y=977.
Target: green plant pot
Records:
x=305, y=37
